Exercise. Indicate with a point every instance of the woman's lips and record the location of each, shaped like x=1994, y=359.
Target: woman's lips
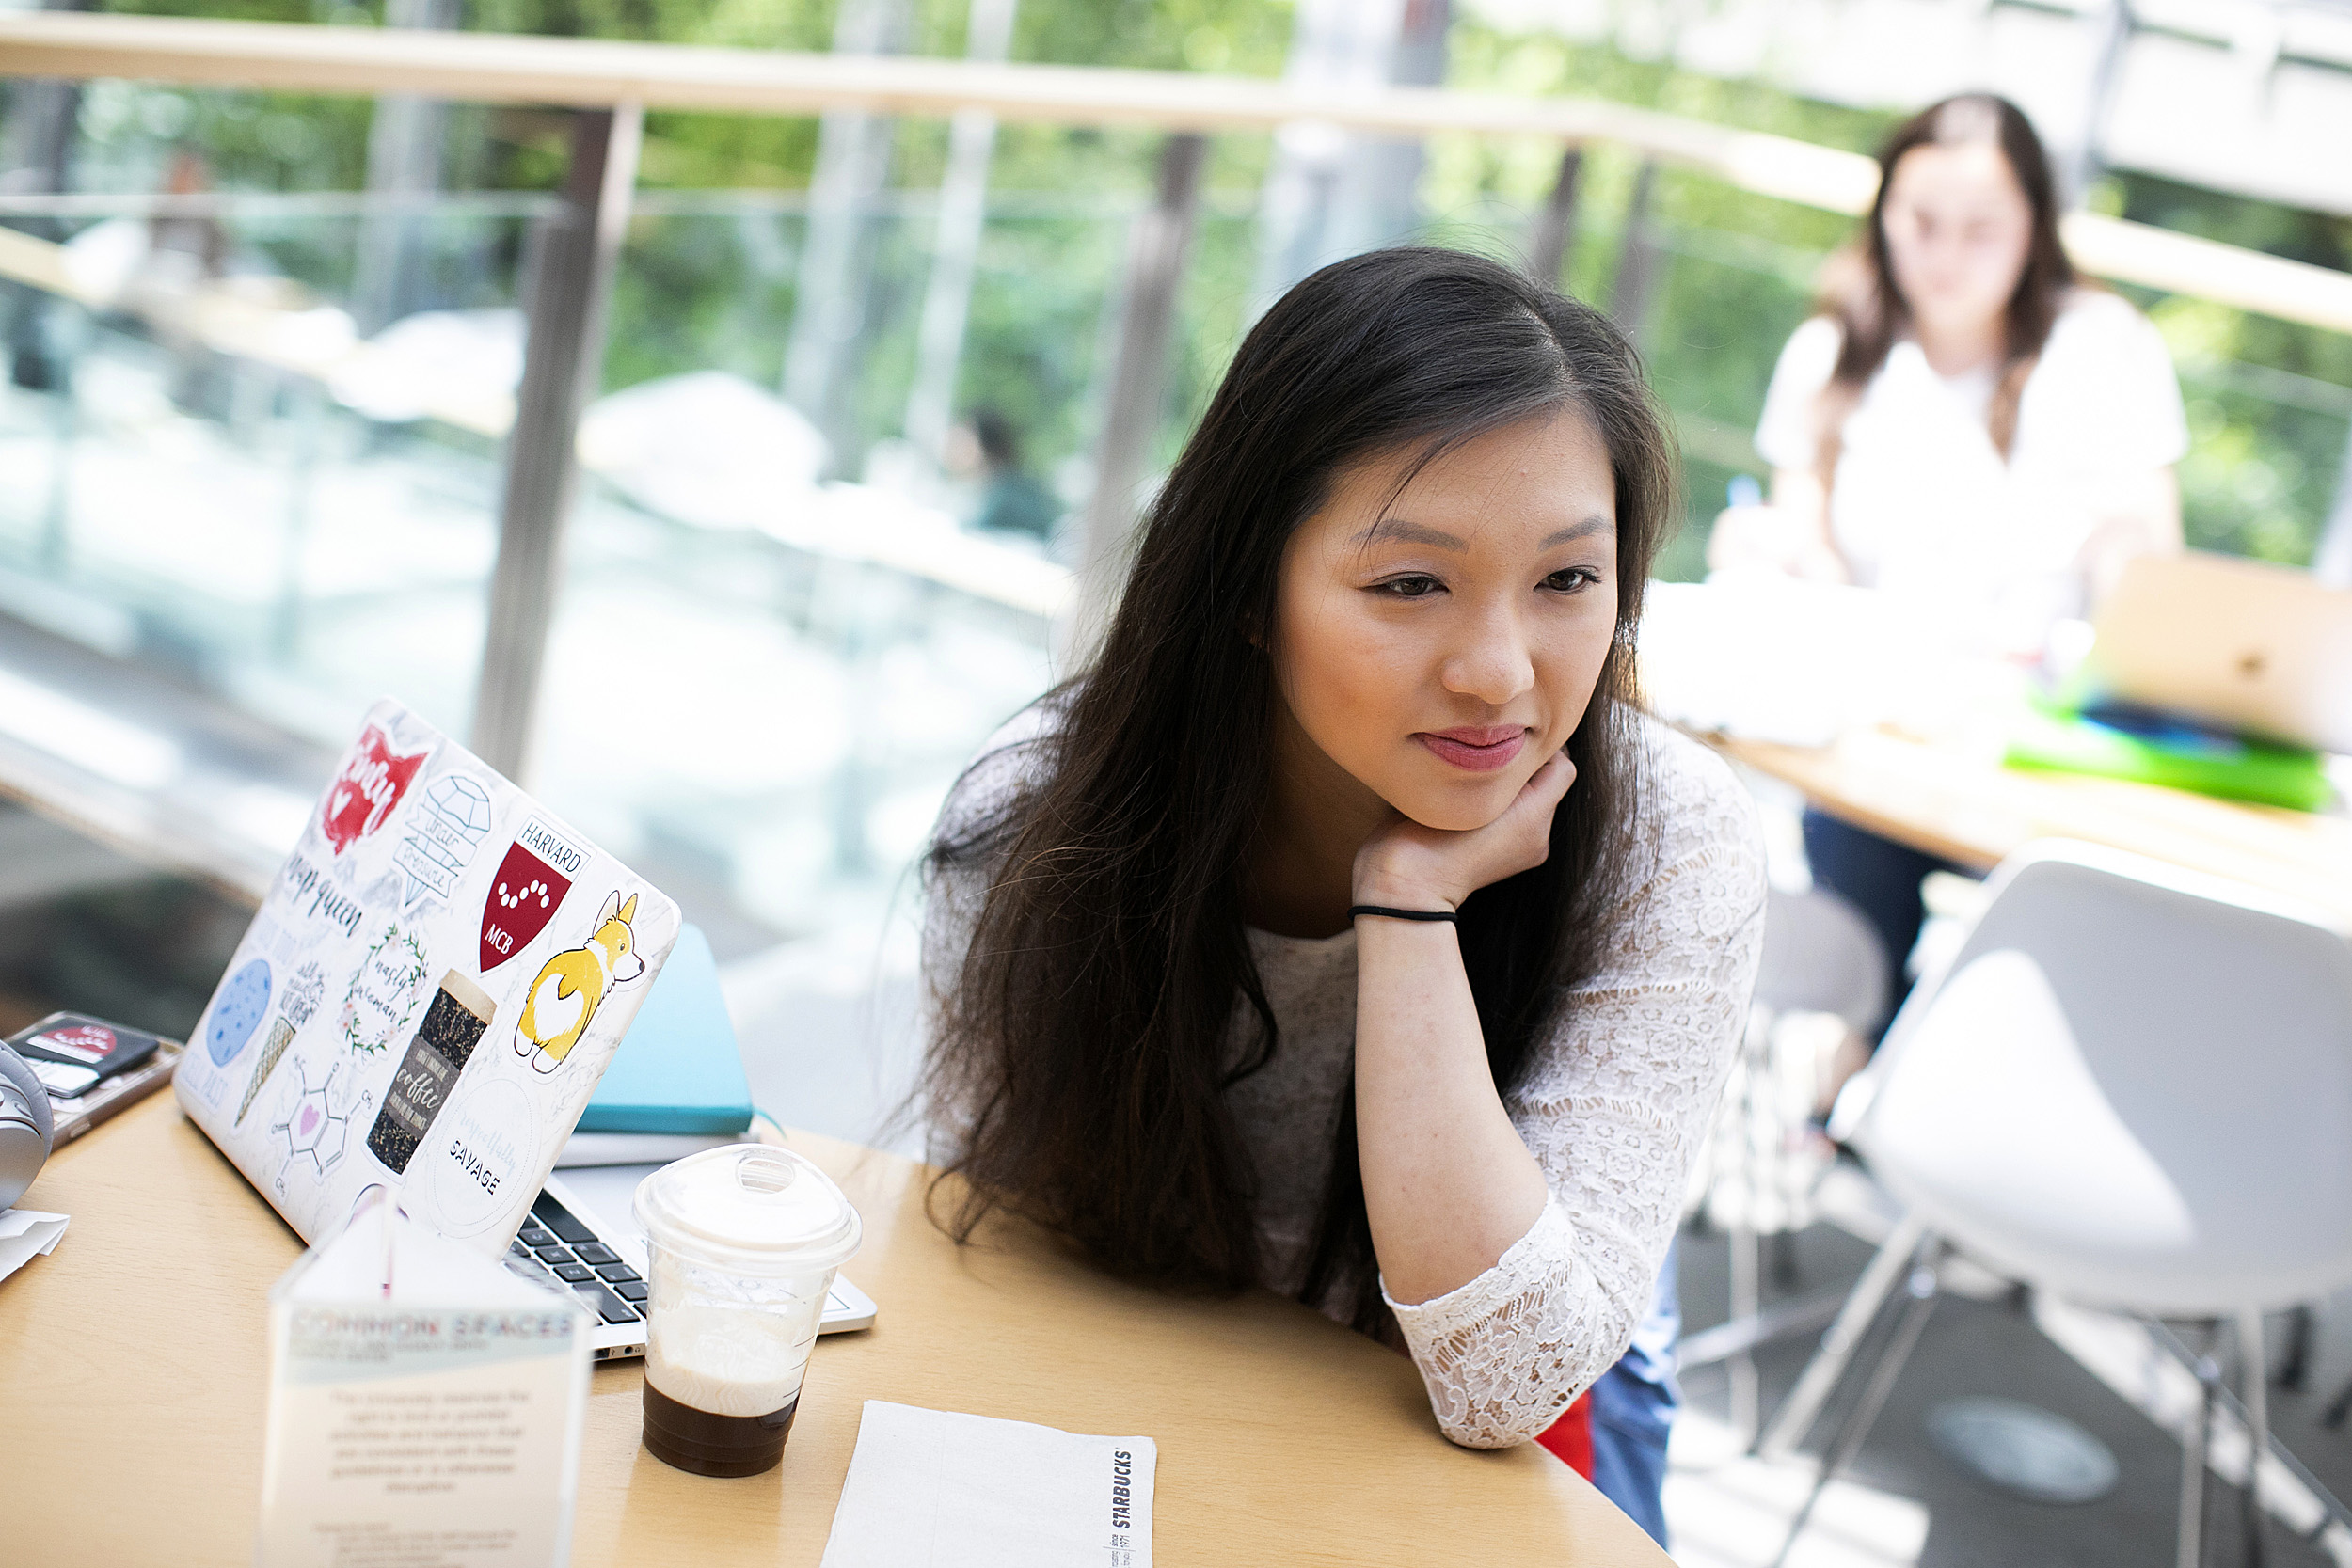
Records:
x=1479, y=751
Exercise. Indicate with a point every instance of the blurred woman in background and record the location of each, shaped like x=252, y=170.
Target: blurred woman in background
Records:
x=1965, y=424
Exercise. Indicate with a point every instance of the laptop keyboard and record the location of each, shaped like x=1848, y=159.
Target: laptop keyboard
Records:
x=556, y=1249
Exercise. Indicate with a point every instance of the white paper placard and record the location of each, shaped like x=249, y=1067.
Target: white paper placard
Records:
x=432, y=1425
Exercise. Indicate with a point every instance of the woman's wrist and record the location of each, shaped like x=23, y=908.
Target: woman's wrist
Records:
x=1401, y=892
x=1399, y=912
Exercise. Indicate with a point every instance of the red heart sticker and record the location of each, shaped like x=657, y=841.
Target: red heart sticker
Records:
x=371, y=782
x=83, y=1042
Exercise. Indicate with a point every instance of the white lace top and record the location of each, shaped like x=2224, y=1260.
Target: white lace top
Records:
x=1614, y=1106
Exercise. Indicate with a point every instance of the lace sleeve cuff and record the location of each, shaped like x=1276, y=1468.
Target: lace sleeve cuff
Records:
x=1534, y=1256
x=1502, y=1355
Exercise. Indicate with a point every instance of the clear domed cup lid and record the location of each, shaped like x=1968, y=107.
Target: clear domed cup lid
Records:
x=750, y=1207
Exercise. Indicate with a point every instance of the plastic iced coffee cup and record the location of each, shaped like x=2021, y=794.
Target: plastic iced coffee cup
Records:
x=744, y=1242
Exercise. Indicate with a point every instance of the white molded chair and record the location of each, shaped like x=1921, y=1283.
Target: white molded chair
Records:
x=1821, y=956
x=2131, y=1087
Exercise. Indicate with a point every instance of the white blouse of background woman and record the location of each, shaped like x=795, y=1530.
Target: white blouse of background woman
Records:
x=1922, y=503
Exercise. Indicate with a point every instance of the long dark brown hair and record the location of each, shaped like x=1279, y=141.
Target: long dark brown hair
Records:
x=1858, y=290
x=1082, y=1052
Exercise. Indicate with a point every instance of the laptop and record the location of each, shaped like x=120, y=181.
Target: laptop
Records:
x=2241, y=646
x=434, y=983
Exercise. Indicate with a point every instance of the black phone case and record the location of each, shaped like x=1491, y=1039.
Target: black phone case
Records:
x=78, y=1039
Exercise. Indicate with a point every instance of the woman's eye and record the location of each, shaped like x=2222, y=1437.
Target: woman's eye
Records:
x=1568, y=579
x=1412, y=588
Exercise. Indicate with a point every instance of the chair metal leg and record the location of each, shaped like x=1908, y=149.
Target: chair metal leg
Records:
x=1802, y=1315
x=1855, y=1428
x=1745, y=1305
x=1745, y=1251
x=2189, y=1549
x=1796, y=1180
x=1784, y=1274
x=2254, y=1379
x=2295, y=1369
x=2338, y=1408
x=1798, y=1412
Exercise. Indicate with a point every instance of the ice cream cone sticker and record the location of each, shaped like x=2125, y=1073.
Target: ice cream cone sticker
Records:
x=574, y=983
x=281, y=1035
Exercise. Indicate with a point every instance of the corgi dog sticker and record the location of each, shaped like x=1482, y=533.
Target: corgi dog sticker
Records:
x=573, y=985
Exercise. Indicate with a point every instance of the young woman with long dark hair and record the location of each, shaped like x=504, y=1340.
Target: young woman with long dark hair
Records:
x=1963, y=423
x=1345, y=928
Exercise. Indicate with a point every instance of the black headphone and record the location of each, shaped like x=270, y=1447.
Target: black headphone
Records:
x=26, y=1130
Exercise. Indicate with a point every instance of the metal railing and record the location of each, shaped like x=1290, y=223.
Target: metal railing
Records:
x=595, y=73
x=611, y=85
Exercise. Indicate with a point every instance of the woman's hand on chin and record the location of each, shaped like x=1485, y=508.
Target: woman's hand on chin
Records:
x=1408, y=866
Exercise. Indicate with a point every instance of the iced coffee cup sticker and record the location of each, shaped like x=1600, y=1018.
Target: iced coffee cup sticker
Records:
x=429, y=1070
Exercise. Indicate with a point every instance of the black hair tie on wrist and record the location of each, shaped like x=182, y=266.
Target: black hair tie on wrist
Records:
x=1449, y=915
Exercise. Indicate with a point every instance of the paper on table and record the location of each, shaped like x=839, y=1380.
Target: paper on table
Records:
x=26, y=1234
x=935, y=1486
x=426, y=1405
x=585, y=1149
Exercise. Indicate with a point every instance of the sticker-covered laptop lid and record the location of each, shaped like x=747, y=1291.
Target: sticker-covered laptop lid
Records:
x=427, y=996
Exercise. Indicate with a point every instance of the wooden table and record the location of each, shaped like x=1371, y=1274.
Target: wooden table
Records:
x=1969, y=809
x=134, y=1376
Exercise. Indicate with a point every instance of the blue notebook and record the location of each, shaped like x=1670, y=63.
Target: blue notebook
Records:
x=678, y=1069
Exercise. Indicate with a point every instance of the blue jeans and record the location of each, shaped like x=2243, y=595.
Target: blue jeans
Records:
x=1633, y=1411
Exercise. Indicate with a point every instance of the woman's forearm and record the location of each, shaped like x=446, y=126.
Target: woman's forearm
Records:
x=1449, y=1185
x=1790, y=535
x=2129, y=520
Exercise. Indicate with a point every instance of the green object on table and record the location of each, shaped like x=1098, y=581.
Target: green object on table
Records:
x=2054, y=738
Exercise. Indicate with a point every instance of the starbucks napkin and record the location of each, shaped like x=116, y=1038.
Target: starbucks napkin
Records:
x=935, y=1486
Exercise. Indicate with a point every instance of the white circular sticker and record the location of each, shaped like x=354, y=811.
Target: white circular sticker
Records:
x=483, y=1148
